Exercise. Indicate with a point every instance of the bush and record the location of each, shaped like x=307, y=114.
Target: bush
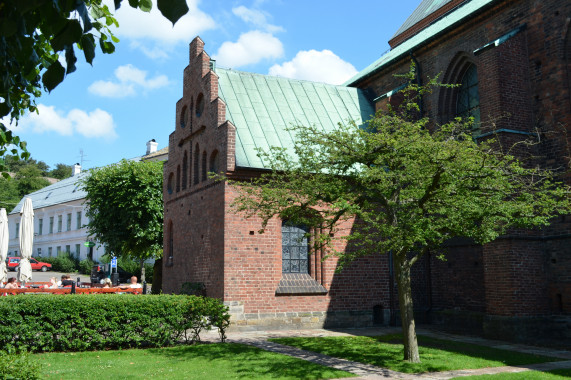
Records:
x=85, y=266
x=63, y=263
x=18, y=366
x=94, y=322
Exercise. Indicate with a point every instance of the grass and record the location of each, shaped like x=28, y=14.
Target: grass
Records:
x=203, y=361
x=436, y=355
x=527, y=375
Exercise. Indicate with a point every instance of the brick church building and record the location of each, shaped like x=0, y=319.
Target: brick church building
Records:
x=513, y=59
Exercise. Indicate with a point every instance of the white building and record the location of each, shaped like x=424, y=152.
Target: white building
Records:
x=60, y=216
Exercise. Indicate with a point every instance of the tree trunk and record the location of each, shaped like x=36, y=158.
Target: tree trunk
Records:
x=157, y=277
x=402, y=271
x=142, y=263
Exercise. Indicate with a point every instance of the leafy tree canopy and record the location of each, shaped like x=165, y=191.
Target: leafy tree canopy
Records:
x=125, y=208
x=407, y=189
x=9, y=195
x=33, y=35
x=61, y=171
x=29, y=179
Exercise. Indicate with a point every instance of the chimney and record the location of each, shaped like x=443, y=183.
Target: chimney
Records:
x=151, y=146
x=76, y=169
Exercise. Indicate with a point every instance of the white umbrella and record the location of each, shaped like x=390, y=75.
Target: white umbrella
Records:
x=26, y=240
x=3, y=243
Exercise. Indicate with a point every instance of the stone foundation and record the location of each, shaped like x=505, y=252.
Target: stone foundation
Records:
x=240, y=321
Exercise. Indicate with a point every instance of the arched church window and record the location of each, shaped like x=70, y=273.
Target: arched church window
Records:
x=170, y=183
x=468, y=100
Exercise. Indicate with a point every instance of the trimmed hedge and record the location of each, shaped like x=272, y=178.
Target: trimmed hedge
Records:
x=43, y=323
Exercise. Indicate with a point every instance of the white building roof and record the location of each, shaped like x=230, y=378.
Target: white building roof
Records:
x=63, y=191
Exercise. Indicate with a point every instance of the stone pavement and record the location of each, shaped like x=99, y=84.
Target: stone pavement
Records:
x=369, y=372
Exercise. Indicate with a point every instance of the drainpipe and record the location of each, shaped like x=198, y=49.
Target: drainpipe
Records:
x=418, y=81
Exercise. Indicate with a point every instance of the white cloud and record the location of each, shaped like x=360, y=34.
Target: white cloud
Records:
x=158, y=33
x=251, y=47
x=257, y=18
x=94, y=124
x=318, y=66
x=129, y=79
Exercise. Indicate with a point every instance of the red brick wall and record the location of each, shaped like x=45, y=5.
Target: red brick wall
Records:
x=253, y=271
x=524, y=85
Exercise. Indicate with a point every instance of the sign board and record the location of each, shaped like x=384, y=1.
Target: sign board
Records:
x=89, y=244
x=114, y=262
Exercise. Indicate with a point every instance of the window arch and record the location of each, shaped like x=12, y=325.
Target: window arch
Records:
x=295, y=248
x=170, y=183
x=182, y=120
x=214, y=162
x=190, y=113
x=199, y=105
x=463, y=100
x=178, y=178
x=468, y=99
x=184, y=170
x=204, y=169
x=196, y=164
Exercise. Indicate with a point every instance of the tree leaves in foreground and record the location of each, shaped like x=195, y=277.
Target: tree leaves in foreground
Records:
x=406, y=190
x=125, y=208
x=33, y=36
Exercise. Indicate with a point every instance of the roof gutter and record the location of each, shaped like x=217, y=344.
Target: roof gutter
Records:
x=412, y=50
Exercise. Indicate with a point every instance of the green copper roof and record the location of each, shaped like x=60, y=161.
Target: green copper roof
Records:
x=261, y=107
x=452, y=19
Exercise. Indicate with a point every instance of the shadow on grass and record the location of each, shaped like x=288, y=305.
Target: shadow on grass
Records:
x=436, y=355
x=250, y=362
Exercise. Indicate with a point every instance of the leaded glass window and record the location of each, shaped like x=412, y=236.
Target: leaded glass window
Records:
x=294, y=248
x=468, y=104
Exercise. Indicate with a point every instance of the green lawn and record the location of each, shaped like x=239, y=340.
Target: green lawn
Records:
x=436, y=355
x=527, y=375
x=203, y=361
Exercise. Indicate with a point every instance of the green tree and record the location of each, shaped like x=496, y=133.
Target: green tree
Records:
x=61, y=171
x=125, y=208
x=406, y=189
x=34, y=33
x=14, y=163
x=29, y=179
x=9, y=196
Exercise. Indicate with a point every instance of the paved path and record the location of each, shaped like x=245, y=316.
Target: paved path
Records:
x=370, y=372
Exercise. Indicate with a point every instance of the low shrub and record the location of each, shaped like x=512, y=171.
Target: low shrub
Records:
x=18, y=366
x=94, y=322
x=85, y=266
x=63, y=263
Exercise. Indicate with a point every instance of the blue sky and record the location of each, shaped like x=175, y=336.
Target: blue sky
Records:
x=111, y=109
